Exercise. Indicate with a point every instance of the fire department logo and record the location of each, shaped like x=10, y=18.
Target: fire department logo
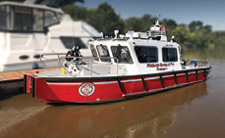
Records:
x=86, y=89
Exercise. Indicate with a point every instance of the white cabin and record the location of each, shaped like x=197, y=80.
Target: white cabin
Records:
x=138, y=56
x=130, y=54
x=28, y=30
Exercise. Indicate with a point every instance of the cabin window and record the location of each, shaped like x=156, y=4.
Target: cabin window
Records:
x=21, y=19
x=103, y=53
x=69, y=42
x=122, y=54
x=3, y=18
x=38, y=20
x=50, y=18
x=169, y=54
x=146, y=54
x=26, y=19
x=94, y=52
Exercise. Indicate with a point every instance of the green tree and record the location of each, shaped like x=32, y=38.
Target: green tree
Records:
x=139, y=24
x=76, y=12
x=208, y=28
x=195, y=26
x=170, y=24
x=133, y=23
x=105, y=19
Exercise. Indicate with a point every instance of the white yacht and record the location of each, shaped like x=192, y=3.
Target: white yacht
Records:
x=27, y=30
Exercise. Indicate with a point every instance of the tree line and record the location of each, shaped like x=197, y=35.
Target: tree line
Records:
x=195, y=35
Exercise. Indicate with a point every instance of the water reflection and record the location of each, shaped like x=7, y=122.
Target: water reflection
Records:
x=149, y=116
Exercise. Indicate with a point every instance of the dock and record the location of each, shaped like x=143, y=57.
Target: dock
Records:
x=15, y=80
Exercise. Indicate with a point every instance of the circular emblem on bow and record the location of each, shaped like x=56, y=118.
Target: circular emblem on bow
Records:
x=86, y=89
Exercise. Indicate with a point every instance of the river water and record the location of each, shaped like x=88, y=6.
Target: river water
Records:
x=194, y=111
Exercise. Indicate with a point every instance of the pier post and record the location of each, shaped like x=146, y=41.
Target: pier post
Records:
x=2, y=93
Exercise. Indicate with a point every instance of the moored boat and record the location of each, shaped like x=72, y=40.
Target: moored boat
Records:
x=122, y=67
x=34, y=27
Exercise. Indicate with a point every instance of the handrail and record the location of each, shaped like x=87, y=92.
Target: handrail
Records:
x=197, y=59
x=91, y=59
x=50, y=54
x=201, y=62
x=91, y=62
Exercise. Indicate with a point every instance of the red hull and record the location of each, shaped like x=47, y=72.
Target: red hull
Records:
x=105, y=89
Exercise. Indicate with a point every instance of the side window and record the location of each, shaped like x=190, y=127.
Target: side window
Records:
x=38, y=20
x=21, y=19
x=26, y=19
x=122, y=54
x=103, y=53
x=146, y=54
x=3, y=18
x=50, y=18
x=169, y=54
x=69, y=42
x=94, y=52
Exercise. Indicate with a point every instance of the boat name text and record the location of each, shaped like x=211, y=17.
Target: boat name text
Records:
x=160, y=66
x=169, y=45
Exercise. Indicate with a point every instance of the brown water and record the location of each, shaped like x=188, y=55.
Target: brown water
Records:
x=195, y=111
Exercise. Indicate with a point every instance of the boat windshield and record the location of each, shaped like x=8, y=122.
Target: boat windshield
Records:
x=26, y=19
x=122, y=54
x=103, y=53
x=94, y=52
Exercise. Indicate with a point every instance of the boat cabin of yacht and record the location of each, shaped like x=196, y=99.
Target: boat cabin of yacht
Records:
x=27, y=30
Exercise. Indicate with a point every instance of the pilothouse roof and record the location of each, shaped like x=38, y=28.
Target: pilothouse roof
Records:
x=156, y=32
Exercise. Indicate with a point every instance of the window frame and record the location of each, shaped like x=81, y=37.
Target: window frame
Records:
x=4, y=13
x=168, y=54
x=102, y=57
x=9, y=21
x=144, y=46
x=121, y=59
x=94, y=52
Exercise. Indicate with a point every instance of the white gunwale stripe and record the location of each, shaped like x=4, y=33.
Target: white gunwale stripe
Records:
x=193, y=72
x=61, y=83
x=181, y=74
x=152, y=78
x=167, y=76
